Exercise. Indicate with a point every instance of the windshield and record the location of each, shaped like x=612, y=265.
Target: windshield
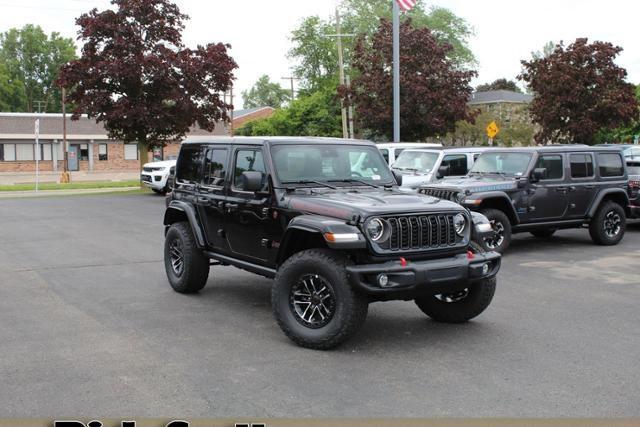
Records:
x=330, y=163
x=421, y=161
x=502, y=163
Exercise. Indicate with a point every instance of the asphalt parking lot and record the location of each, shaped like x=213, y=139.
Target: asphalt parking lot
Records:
x=90, y=327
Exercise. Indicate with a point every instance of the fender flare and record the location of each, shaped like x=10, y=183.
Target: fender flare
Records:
x=322, y=225
x=493, y=195
x=176, y=210
x=604, y=193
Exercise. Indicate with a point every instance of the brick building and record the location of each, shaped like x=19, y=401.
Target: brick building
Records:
x=240, y=117
x=90, y=149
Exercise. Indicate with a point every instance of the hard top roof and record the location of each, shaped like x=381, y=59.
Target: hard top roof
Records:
x=451, y=149
x=560, y=148
x=259, y=140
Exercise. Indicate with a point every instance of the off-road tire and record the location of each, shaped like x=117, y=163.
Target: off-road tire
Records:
x=497, y=216
x=350, y=309
x=477, y=300
x=543, y=233
x=597, y=224
x=195, y=270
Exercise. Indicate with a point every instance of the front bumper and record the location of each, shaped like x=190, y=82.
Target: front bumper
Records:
x=420, y=278
x=156, y=180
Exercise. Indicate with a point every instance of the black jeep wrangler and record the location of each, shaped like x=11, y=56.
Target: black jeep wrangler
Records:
x=542, y=189
x=325, y=219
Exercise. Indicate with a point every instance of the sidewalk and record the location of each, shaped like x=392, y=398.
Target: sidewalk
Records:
x=11, y=178
x=45, y=193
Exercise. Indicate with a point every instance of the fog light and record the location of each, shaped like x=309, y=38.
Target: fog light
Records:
x=383, y=280
x=485, y=268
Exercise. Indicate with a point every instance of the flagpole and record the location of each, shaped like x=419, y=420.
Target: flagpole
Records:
x=396, y=71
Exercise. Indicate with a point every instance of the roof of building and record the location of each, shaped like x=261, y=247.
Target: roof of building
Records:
x=500, y=96
x=247, y=111
x=22, y=126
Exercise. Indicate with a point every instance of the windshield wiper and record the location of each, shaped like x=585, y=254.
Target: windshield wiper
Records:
x=408, y=169
x=307, y=181
x=348, y=180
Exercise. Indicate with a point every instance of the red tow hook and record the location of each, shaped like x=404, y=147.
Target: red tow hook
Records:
x=470, y=255
x=403, y=262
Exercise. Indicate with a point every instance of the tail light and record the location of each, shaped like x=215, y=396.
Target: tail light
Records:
x=634, y=184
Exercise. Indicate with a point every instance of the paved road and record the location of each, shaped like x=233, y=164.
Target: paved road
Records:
x=90, y=327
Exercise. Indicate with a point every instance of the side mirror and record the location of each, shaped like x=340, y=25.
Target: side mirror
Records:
x=398, y=176
x=251, y=181
x=443, y=171
x=538, y=174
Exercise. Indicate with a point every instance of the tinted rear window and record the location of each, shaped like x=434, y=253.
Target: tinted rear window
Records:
x=581, y=165
x=189, y=166
x=610, y=164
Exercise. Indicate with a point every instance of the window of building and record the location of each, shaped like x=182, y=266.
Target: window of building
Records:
x=581, y=165
x=103, y=152
x=215, y=167
x=47, y=154
x=457, y=164
x=9, y=152
x=246, y=161
x=610, y=164
x=24, y=152
x=189, y=165
x=84, y=151
x=131, y=151
x=553, y=166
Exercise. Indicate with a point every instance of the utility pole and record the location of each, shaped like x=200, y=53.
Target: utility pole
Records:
x=224, y=99
x=396, y=72
x=40, y=104
x=351, y=133
x=338, y=35
x=65, y=177
x=291, y=79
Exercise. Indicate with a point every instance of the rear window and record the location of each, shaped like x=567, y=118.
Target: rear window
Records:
x=189, y=166
x=633, y=168
x=610, y=164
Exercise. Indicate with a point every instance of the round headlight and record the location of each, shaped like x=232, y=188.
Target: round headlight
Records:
x=460, y=197
x=459, y=223
x=375, y=229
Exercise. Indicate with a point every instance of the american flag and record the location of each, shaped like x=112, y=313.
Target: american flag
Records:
x=406, y=5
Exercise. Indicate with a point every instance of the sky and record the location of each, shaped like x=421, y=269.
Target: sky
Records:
x=506, y=31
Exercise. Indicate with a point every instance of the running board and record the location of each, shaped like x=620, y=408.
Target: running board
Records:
x=571, y=223
x=244, y=265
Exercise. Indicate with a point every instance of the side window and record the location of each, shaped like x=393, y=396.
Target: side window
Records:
x=581, y=166
x=215, y=167
x=457, y=164
x=610, y=164
x=189, y=166
x=553, y=166
x=248, y=160
x=385, y=154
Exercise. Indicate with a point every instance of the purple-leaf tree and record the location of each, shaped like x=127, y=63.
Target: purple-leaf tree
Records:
x=434, y=91
x=136, y=76
x=579, y=91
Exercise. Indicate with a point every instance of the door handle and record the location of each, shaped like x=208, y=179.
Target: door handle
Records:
x=589, y=187
x=561, y=189
x=203, y=200
x=230, y=207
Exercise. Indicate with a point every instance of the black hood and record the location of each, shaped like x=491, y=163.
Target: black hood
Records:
x=346, y=204
x=476, y=183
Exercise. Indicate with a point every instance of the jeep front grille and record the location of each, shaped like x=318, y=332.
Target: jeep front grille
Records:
x=440, y=193
x=409, y=233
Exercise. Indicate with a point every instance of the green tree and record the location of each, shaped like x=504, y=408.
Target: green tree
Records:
x=12, y=96
x=316, y=55
x=265, y=93
x=499, y=84
x=315, y=114
x=34, y=59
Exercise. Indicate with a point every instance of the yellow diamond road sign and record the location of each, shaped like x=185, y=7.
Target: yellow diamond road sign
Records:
x=492, y=130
